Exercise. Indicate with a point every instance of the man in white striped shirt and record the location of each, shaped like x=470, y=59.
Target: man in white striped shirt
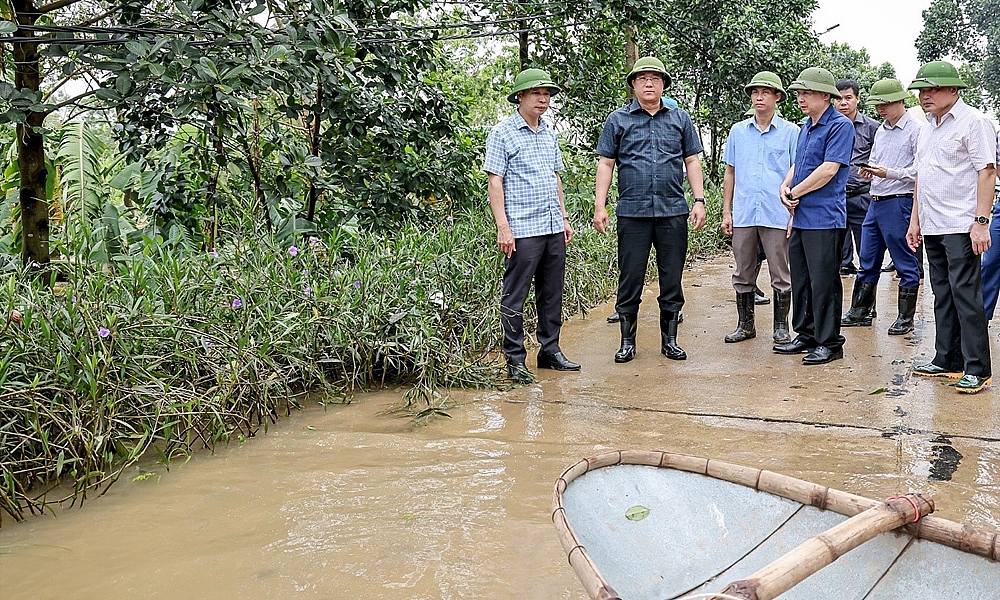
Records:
x=956, y=155
x=892, y=172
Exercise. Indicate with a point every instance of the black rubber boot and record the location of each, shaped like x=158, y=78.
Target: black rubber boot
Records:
x=907, y=308
x=668, y=336
x=862, y=303
x=628, y=325
x=782, y=304
x=746, y=328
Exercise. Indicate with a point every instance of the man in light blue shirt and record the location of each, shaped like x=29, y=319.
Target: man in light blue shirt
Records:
x=759, y=152
x=526, y=198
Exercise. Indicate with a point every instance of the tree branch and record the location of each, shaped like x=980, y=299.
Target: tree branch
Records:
x=72, y=100
x=52, y=6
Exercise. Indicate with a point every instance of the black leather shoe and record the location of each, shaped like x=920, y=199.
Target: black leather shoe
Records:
x=519, y=373
x=889, y=267
x=759, y=298
x=556, y=361
x=614, y=318
x=796, y=346
x=822, y=355
x=848, y=269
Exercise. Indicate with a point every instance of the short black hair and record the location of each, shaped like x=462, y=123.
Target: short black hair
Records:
x=845, y=84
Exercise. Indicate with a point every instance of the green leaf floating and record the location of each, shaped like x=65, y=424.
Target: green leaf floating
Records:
x=637, y=513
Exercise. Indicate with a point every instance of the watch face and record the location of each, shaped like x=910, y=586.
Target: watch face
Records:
x=982, y=220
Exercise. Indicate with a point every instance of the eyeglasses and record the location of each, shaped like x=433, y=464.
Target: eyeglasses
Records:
x=647, y=79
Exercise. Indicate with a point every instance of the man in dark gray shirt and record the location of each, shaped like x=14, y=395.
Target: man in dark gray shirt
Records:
x=858, y=188
x=651, y=143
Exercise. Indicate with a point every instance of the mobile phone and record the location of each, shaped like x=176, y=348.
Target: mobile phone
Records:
x=863, y=165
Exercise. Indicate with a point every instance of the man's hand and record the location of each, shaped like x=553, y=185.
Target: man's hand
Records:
x=787, y=199
x=601, y=220
x=727, y=224
x=568, y=230
x=698, y=215
x=980, y=235
x=505, y=240
x=913, y=237
x=873, y=171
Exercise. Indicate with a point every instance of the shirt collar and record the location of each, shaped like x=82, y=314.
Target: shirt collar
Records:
x=752, y=122
x=636, y=107
x=957, y=110
x=520, y=123
x=831, y=112
x=905, y=121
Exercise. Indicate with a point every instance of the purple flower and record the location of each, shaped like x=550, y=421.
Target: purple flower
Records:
x=104, y=332
x=207, y=343
x=237, y=303
x=357, y=284
x=307, y=291
x=468, y=272
x=214, y=253
x=293, y=251
x=450, y=219
x=74, y=300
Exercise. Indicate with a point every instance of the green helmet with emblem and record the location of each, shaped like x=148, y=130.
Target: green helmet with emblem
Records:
x=648, y=64
x=937, y=74
x=887, y=91
x=816, y=79
x=531, y=78
x=767, y=79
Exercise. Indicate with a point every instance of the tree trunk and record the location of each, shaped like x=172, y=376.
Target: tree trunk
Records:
x=631, y=55
x=30, y=149
x=522, y=43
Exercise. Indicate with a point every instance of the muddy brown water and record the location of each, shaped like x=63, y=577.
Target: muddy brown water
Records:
x=348, y=502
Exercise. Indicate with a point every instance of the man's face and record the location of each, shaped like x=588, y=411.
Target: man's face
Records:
x=938, y=100
x=764, y=98
x=812, y=103
x=848, y=103
x=535, y=101
x=891, y=111
x=648, y=86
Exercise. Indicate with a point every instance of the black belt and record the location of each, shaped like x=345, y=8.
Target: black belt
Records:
x=857, y=191
x=890, y=197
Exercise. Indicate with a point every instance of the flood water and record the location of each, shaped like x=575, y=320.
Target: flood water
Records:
x=347, y=502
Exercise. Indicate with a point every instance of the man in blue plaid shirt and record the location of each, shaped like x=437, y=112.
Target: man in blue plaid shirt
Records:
x=522, y=165
x=651, y=144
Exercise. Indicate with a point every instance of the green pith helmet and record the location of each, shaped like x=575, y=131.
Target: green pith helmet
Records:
x=937, y=74
x=887, y=91
x=750, y=112
x=816, y=79
x=767, y=79
x=531, y=78
x=648, y=64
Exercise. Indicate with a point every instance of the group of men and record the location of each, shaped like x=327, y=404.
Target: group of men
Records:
x=798, y=192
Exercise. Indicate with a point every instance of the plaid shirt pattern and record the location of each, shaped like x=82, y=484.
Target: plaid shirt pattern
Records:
x=950, y=154
x=527, y=161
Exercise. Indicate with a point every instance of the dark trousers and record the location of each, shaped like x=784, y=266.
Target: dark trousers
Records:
x=542, y=259
x=857, y=210
x=991, y=265
x=885, y=228
x=669, y=235
x=961, y=340
x=817, y=292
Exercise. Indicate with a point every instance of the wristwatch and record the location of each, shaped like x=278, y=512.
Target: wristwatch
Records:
x=702, y=200
x=982, y=220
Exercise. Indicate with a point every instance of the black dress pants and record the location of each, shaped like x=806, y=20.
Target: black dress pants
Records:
x=961, y=341
x=817, y=291
x=542, y=259
x=636, y=235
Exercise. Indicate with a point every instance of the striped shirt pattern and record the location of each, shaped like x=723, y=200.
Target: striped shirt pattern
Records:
x=895, y=149
x=527, y=161
x=950, y=154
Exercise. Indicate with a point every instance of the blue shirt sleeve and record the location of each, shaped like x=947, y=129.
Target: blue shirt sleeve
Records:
x=690, y=142
x=840, y=144
x=607, y=145
x=793, y=141
x=496, y=154
x=557, y=163
x=729, y=154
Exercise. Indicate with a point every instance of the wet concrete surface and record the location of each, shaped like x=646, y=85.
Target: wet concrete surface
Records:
x=349, y=502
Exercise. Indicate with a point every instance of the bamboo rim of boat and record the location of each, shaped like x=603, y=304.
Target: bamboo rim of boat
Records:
x=934, y=529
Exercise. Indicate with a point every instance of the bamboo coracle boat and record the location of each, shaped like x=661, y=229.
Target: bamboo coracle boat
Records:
x=640, y=525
